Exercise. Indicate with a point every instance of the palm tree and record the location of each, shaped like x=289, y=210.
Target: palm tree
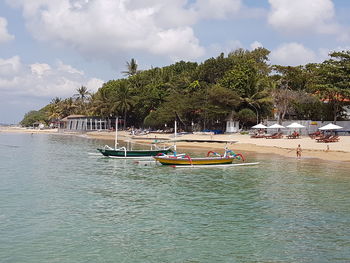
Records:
x=56, y=100
x=82, y=96
x=68, y=107
x=54, y=111
x=131, y=68
x=124, y=101
x=258, y=95
x=101, y=103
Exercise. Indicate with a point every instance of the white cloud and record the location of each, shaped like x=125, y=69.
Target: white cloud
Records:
x=300, y=16
x=68, y=68
x=111, y=27
x=10, y=67
x=94, y=84
x=293, y=54
x=41, y=79
x=40, y=69
x=107, y=28
x=167, y=13
x=255, y=45
x=4, y=35
x=217, y=9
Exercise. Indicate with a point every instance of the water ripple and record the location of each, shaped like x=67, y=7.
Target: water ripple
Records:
x=58, y=203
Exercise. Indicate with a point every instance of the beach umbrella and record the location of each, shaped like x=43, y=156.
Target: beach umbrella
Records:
x=276, y=126
x=330, y=126
x=295, y=125
x=259, y=126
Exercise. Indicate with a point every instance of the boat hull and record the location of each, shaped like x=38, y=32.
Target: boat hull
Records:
x=194, y=161
x=132, y=153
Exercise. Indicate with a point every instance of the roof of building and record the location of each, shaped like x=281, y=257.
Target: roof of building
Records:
x=73, y=116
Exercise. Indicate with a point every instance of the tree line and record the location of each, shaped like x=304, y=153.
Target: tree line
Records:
x=242, y=85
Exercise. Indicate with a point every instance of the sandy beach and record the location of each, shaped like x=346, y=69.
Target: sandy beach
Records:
x=338, y=151
x=25, y=130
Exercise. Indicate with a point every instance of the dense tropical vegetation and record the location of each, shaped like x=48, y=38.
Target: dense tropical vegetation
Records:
x=242, y=85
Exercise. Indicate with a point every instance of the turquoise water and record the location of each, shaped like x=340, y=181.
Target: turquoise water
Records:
x=60, y=204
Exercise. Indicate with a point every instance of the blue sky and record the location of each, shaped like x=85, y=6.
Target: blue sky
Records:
x=50, y=48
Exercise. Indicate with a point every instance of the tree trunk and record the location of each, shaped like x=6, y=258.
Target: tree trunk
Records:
x=124, y=126
x=278, y=117
x=335, y=112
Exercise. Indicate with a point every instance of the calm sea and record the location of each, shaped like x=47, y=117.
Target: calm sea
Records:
x=58, y=203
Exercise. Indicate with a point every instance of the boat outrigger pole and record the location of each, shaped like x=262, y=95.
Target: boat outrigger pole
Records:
x=116, y=134
x=175, y=134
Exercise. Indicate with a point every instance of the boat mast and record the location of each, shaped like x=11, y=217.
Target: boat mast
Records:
x=175, y=134
x=116, y=134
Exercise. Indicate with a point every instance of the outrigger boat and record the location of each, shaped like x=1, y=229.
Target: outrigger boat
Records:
x=124, y=153
x=212, y=158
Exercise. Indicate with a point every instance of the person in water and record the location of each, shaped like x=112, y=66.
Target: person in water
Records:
x=298, y=151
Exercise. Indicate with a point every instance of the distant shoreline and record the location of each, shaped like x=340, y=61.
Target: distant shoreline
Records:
x=339, y=151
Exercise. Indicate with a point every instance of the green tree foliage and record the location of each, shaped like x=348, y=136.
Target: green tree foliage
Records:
x=249, y=79
x=33, y=116
x=295, y=78
x=82, y=96
x=213, y=69
x=68, y=107
x=53, y=110
x=332, y=82
x=101, y=102
x=246, y=116
x=298, y=93
x=205, y=94
x=131, y=68
x=123, y=101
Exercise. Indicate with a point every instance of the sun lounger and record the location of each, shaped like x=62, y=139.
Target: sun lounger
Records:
x=321, y=139
x=270, y=136
x=332, y=139
x=294, y=135
x=315, y=134
x=275, y=136
x=258, y=136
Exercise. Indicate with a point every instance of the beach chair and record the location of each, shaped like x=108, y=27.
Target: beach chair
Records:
x=258, y=136
x=334, y=138
x=322, y=139
x=270, y=136
x=315, y=134
x=294, y=135
x=275, y=136
x=278, y=136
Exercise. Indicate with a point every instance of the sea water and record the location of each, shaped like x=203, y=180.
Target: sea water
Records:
x=58, y=203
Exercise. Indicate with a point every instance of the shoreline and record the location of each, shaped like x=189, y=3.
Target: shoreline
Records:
x=339, y=151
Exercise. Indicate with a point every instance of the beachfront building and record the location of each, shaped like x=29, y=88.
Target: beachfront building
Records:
x=232, y=125
x=38, y=125
x=347, y=111
x=346, y=108
x=82, y=123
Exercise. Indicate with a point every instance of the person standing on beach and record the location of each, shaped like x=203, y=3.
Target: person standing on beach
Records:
x=298, y=151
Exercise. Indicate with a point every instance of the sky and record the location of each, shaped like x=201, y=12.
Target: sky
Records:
x=50, y=48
